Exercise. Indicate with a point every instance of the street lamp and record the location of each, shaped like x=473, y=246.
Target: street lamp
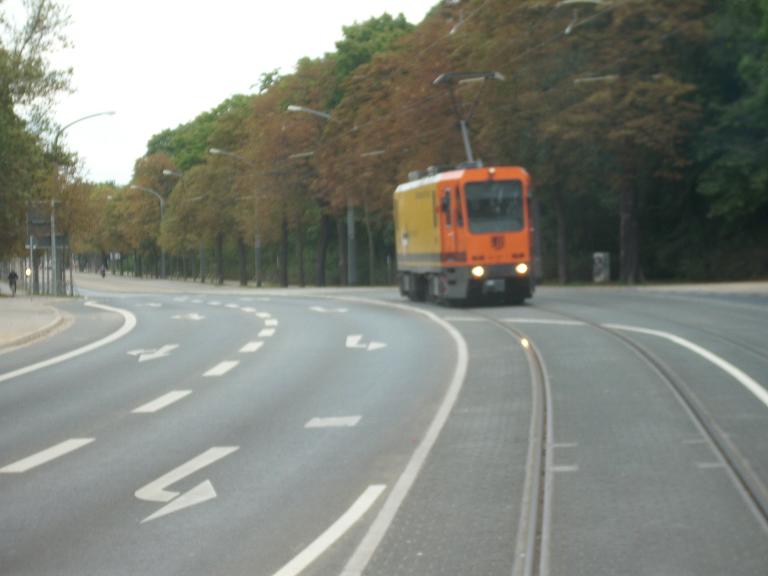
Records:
x=256, y=235
x=321, y=114
x=162, y=213
x=54, y=258
x=351, y=251
x=453, y=79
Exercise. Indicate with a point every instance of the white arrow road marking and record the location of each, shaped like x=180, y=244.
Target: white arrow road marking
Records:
x=222, y=368
x=192, y=316
x=154, y=354
x=162, y=402
x=271, y=322
x=328, y=310
x=251, y=347
x=46, y=456
x=354, y=341
x=156, y=491
x=336, y=422
x=332, y=534
x=197, y=495
x=266, y=333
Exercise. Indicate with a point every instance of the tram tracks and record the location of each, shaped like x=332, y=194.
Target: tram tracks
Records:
x=752, y=488
x=532, y=538
x=533, y=534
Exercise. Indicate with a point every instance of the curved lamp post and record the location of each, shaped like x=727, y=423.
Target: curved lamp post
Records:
x=54, y=258
x=162, y=213
x=256, y=235
x=351, y=252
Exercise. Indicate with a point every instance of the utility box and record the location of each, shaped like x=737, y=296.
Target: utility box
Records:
x=601, y=267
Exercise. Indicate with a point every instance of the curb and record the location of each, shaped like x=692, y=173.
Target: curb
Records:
x=38, y=334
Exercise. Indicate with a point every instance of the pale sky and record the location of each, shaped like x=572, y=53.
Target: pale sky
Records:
x=160, y=63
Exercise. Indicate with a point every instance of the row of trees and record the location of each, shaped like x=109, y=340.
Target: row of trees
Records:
x=643, y=123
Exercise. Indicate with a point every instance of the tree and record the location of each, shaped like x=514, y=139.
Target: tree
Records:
x=27, y=80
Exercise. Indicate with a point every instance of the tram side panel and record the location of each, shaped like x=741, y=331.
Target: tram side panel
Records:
x=417, y=237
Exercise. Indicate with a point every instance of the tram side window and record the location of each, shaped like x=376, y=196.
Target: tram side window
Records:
x=446, y=207
x=495, y=206
x=459, y=212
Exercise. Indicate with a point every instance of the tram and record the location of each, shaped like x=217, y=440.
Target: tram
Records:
x=463, y=234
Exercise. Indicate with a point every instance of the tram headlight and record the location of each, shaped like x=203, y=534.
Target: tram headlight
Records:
x=478, y=272
x=522, y=268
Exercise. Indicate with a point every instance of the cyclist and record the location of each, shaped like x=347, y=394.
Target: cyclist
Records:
x=12, y=277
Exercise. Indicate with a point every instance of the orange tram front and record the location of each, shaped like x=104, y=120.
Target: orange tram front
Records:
x=464, y=234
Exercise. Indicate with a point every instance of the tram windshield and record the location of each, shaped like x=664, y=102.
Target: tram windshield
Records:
x=495, y=206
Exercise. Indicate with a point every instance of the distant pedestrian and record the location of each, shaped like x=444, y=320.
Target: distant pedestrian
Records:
x=102, y=271
x=12, y=278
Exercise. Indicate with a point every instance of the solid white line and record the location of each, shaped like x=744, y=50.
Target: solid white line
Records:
x=162, y=402
x=222, y=368
x=336, y=422
x=266, y=333
x=336, y=531
x=271, y=322
x=464, y=319
x=543, y=321
x=251, y=347
x=386, y=515
x=46, y=456
x=128, y=325
x=748, y=382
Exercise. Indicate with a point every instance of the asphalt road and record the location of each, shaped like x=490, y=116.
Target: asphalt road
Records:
x=180, y=429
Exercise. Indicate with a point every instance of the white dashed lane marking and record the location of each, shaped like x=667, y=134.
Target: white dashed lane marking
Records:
x=337, y=422
x=46, y=456
x=221, y=368
x=267, y=333
x=252, y=347
x=163, y=402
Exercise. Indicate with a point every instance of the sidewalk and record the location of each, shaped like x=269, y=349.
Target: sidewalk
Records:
x=24, y=319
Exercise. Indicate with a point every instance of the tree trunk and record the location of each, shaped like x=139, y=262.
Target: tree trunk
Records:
x=241, y=255
x=326, y=223
x=300, y=249
x=220, y=258
x=341, y=232
x=202, y=262
x=628, y=234
x=562, y=237
x=371, y=254
x=284, y=252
